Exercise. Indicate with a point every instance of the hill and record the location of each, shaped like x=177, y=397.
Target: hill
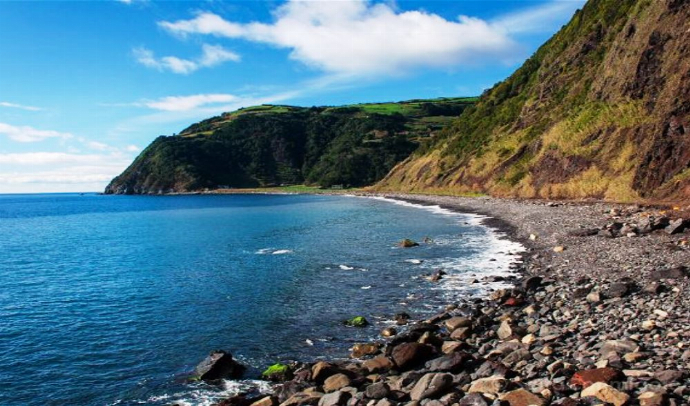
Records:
x=269, y=145
x=600, y=111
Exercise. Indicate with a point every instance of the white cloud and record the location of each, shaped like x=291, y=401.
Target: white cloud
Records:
x=212, y=55
x=52, y=158
x=186, y=103
x=357, y=37
x=20, y=106
x=544, y=18
x=132, y=148
x=30, y=134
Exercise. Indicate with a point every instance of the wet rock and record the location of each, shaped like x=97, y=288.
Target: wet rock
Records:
x=219, y=365
x=362, y=350
x=407, y=355
x=588, y=377
x=336, y=382
x=431, y=385
x=322, y=370
x=532, y=283
x=492, y=385
x=388, y=332
x=521, y=397
x=278, y=373
x=357, y=321
x=407, y=243
x=606, y=393
x=402, y=318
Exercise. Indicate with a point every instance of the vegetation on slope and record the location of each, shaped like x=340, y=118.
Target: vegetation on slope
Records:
x=270, y=145
x=601, y=110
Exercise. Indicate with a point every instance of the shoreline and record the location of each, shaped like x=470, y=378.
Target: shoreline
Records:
x=589, y=320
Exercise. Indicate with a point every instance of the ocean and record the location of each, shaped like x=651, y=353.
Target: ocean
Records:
x=112, y=300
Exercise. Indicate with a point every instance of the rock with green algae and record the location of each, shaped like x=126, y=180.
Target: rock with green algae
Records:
x=358, y=321
x=277, y=373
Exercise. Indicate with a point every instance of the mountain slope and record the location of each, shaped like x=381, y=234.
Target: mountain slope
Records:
x=269, y=145
x=601, y=110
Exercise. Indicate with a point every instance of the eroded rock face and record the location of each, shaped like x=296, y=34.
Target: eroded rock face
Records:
x=219, y=365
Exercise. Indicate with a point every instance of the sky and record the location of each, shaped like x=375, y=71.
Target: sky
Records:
x=86, y=85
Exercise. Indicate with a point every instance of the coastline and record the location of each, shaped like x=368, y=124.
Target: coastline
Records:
x=600, y=317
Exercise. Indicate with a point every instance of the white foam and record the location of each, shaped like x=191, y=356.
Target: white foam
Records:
x=495, y=253
x=414, y=261
x=202, y=395
x=366, y=287
x=282, y=252
x=263, y=251
x=345, y=267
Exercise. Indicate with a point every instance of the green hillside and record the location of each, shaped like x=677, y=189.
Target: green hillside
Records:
x=601, y=110
x=270, y=145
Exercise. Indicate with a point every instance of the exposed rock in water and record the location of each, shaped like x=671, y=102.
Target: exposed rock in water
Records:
x=219, y=365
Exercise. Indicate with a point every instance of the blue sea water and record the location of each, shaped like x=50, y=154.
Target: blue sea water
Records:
x=113, y=299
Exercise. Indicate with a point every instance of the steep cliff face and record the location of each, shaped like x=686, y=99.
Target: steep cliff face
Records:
x=272, y=145
x=601, y=110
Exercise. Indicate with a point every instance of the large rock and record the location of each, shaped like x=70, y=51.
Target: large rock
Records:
x=473, y=399
x=606, y=393
x=265, y=401
x=455, y=362
x=457, y=322
x=303, y=398
x=408, y=355
x=588, y=377
x=618, y=347
x=679, y=272
x=675, y=226
x=219, y=365
x=334, y=399
x=378, y=364
x=377, y=390
x=322, y=370
x=505, y=331
x=336, y=382
x=650, y=398
x=431, y=385
x=362, y=350
x=521, y=397
x=492, y=385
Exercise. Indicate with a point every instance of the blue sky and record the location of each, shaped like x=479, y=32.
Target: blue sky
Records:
x=85, y=85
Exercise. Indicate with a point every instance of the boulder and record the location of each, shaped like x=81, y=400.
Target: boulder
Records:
x=378, y=364
x=431, y=386
x=303, y=398
x=521, y=397
x=449, y=347
x=362, y=350
x=335, y=399
x=377, y=390
x=650, y=398
x=675, y=226
x=461, y=333
x=407, y=355
x=588, y=377
x=336, y=382
x=473, y=399
x=322, y=370
x=277, y=373
x=455, y=323
x=407, y=243
x=389, y=332
x=401, y=319
x=358, y=321
x=219, y=365
x=669, y=376
x=265, y=401
x=606, y=393
x=454, y=363
x=679, y=272
x=492, y=385
x=532, y=283
x=505, y=331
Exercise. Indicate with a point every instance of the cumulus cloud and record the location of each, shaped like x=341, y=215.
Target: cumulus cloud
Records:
x=211, y=55
x=357, y=37
x=19, y=106
x=30, y=134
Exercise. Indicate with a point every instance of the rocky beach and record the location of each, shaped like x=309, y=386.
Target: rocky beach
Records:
x=598, y=313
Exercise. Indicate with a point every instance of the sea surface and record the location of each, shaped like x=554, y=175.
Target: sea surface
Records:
x=112, y=300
